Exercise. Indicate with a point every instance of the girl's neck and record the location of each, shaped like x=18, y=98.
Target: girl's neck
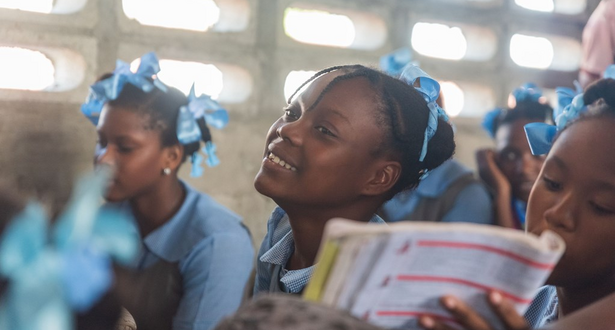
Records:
x=155, y=208
x=308, y=227
x=571, y=300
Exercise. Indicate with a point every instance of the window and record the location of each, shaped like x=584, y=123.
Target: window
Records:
x=224, y=83
x=453, y=98
x=453, y=42
x=294, y=79
x=461, y=99
x=537, y=5
x=45, y=6
x=25, y=69
x=196, y=15
x=567, y=7
x=323, y=26
x=545, y=52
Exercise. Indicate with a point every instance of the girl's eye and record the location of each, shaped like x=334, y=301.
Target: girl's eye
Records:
x=325, y=131
x=290, y=114
x=124, y=149
x=601, y=209
x=551, y=185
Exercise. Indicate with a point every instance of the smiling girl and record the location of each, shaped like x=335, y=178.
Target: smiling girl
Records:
x=352, y=140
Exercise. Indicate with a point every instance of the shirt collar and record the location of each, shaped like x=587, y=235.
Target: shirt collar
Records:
x=167, y=241
x=293, y=280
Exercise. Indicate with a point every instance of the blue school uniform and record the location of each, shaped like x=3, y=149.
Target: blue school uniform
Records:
x=543, y=309
x=214, y=254
x=472, y=203
x=277, y=247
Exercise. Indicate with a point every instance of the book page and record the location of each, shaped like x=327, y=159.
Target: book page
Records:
x=416, y=267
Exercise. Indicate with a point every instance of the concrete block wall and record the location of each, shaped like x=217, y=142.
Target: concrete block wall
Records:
x=46, y=142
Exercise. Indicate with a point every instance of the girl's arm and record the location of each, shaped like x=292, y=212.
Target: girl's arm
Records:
x=491, y=174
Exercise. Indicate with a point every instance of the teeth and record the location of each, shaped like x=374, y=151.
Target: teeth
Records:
x=281, y=162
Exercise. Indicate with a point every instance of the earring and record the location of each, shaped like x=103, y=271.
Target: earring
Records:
x=166, y=171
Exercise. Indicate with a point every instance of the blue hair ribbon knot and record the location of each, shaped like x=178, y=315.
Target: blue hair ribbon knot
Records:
x=188, y=131
x=430, y=90
x=529, y=92
x=395, y=62
x=109, y=89
x=49, y=278
x=540, y=135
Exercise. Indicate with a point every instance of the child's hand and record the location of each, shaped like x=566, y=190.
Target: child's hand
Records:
x=490, y=173
x=469, y=319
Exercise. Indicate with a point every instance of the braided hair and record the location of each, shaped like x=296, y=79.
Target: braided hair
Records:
x=403, y=115
x=162, y=108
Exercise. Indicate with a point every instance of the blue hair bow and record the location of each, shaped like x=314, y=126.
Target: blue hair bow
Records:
x=564, y=97
x=110, y=88
x=527, y=92
x=188, y=130
x=489, y=120
x=430, y=90
x=609, y=73
x=70, y=271
x=540, y=135
x=395, y=62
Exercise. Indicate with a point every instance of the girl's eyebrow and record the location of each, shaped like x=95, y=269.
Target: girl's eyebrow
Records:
x=559, y=162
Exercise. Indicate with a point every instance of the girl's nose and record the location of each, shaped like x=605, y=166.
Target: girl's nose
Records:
x=561, y=214
x=292, y=132
x=104, y=156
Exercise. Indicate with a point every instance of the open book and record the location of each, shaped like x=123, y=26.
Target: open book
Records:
x=389, y=275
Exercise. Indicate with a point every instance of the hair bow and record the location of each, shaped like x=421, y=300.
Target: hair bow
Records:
x=489, y=121
x=70, y=271
x=540, y=135
x=394, y=62
x=430, y=90
x=109, y=89
x=609, y=73
x=527, y=92
x=188, y=131
x=565, y=96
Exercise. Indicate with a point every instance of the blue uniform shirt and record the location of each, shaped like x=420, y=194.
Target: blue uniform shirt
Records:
x=544, y=308
x=472, y=204
x=215, y=256
x=277, y=247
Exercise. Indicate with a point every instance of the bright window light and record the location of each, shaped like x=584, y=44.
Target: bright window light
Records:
x=38, y=6
x=195, y=15
x=25, y=69
x=531, y=52
x=439, y=41
x=207, y=78
x=294, y=80
x=453, y=96
x=537, y=5
x=319, y=27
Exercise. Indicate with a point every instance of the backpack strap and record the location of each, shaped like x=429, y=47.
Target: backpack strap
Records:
x=434, y=209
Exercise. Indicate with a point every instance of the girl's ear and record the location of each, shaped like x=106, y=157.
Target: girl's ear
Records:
x=384, y=178
x=173, y=156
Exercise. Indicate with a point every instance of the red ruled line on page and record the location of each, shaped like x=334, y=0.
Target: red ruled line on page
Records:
x=417, y=278
x=487, y=248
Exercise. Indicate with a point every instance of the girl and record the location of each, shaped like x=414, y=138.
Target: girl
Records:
x=140, y=128
x=574, y=196
x=352, y=140
x=510, y=170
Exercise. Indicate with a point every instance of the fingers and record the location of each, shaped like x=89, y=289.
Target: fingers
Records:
x=507, y=313
x=431, y=323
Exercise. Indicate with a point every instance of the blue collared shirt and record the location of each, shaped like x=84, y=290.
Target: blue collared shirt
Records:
x=277, y=247
x=472, y=204
x=215, y=256
x=544, y=308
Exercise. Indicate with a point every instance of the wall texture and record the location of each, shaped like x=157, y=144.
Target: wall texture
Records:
x=46, y=142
